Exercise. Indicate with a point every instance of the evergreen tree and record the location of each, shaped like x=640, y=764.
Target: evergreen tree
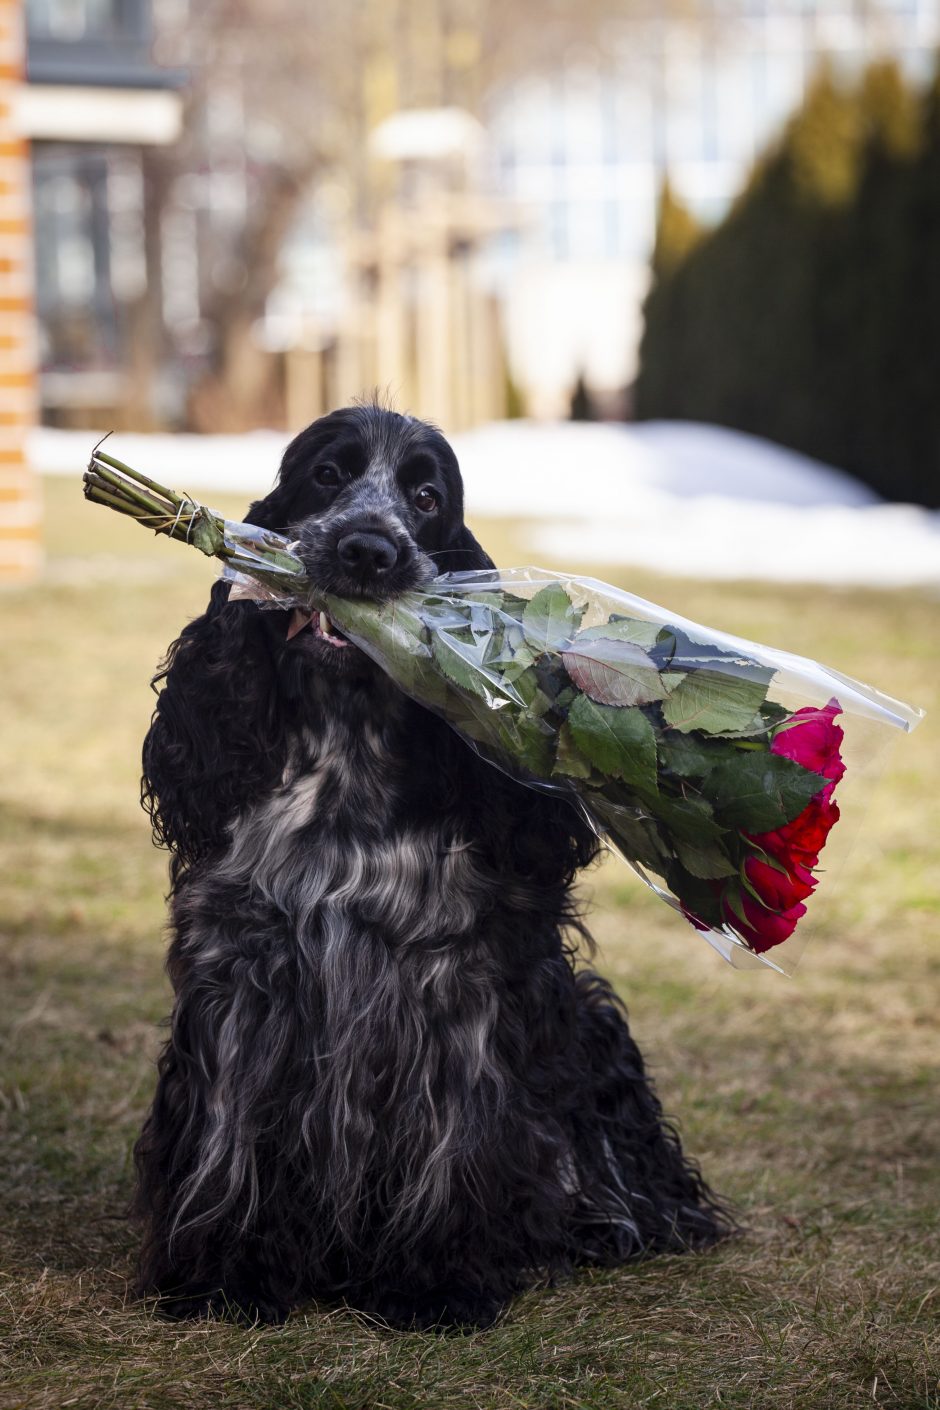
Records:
x=811, y=313
x=677, y=232
x=871, y=343
x=919, y=314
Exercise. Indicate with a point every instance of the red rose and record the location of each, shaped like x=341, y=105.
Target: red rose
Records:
x=805, y=836
x=780, y=869
x=815, y=741
x=779, y=889
x=761, y=928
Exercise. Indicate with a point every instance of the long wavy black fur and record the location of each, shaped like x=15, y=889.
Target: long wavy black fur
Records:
x=389, y=1080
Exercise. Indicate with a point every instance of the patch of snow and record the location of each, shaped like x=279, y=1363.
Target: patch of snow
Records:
x=227, y=464
x=693, y=458
x=683, y=498
x=888, y=545
x=529, y=468
x=701, y=501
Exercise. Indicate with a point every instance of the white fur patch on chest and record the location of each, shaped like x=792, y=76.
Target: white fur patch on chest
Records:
x=320, y=869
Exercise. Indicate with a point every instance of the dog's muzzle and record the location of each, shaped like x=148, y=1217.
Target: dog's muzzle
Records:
x=368, y=557
x=353, y=556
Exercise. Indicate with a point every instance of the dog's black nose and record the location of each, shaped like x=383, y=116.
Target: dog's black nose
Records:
x=367, y=554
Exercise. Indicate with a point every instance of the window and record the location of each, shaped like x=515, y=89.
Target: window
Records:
x=558, y=230
x=92, y=41
x=73, y=266
x=71, y=21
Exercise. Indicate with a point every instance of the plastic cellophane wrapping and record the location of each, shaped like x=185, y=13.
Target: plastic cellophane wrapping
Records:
x=716, y=767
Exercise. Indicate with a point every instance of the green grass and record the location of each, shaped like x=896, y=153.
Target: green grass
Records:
x=811, y=1102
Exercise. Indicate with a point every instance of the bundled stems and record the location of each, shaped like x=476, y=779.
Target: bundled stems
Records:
x=110, y=482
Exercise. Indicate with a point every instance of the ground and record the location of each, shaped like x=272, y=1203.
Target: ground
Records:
x=811, y=1102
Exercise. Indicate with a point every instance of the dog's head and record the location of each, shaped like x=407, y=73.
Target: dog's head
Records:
x=375, y=502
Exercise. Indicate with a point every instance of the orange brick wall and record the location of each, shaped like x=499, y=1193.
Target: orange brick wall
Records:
x=20, y=542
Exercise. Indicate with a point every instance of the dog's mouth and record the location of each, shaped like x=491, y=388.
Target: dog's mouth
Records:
x=317, y=623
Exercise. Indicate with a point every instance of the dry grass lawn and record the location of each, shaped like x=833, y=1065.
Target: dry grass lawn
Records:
x=812, y=1102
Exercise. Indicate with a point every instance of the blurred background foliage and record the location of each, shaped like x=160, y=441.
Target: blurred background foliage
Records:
x=811, y=313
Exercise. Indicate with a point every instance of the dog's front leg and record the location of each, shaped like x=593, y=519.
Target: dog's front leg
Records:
x=211, y=1242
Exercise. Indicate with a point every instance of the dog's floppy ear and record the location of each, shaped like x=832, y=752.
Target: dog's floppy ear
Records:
x=272, y=512
x=462, y=554
x=277, y=509
x=213, y=739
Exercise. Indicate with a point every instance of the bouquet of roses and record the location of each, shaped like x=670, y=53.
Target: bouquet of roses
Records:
x=709, y=763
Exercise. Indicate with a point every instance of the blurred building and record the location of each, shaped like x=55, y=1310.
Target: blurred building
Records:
x=448, y=261
x=583, y=154
x=407, y=306
x=563, y=186
x=81, y=103
x=94, y=107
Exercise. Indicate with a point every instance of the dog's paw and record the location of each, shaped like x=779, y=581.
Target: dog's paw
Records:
x=202, y=1304
x=449, y=1309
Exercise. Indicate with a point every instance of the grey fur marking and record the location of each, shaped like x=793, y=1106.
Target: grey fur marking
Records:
x=402, y=892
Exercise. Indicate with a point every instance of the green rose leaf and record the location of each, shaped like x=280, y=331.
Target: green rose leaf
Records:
x=506, y=604
x=469, y=716
x=564, y=699
x=716, y=702
x=518, y=662
x=458, y=661
x=632, y=629
x=759, y=791
x=616, y=741
x=553, y=678
x=613, y=672
x=690, y=819
x=550, y=620
x=636, y=837
x=569, y=761
x=772, y=713
x=395, y=634
x=759, y=728
x=527, y=688
x=697, y=895
x=679, y=650
x=689, y=756
x=524, y=743
x=706, y=860
x=756, y=730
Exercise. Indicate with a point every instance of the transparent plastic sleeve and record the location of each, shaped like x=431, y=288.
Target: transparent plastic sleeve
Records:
x=714, y=766
x=260, y=565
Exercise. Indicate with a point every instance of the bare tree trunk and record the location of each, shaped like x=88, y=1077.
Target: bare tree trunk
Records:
x=244, y=388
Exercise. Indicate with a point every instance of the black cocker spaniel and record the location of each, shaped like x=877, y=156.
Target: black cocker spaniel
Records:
x=387, y=1082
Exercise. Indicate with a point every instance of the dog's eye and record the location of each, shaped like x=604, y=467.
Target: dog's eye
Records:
x=426, y=500
x=327, y=476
